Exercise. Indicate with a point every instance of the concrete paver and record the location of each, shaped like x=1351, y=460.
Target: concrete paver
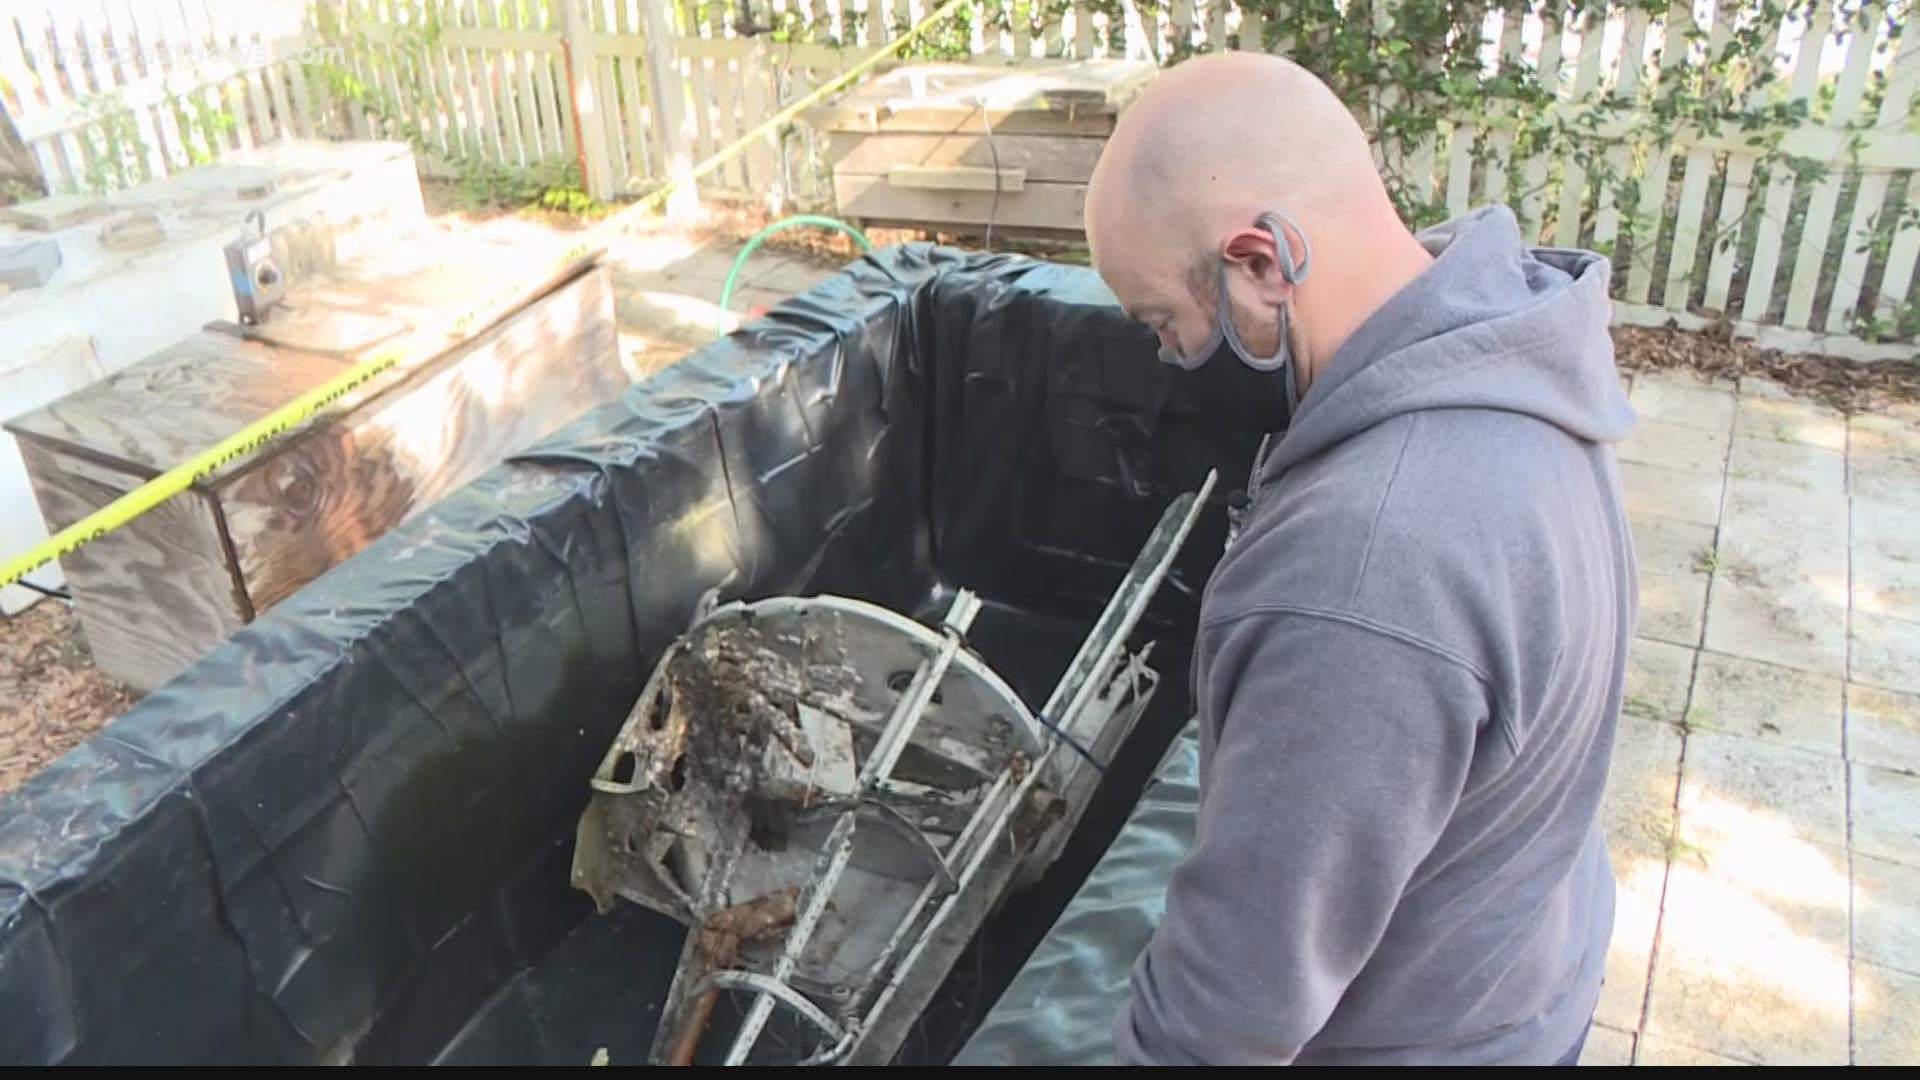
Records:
x=1780, y=590
x=1886, y=1016
x=787, y=276
x=1680, y=494
x=1658, y=674
x=1886, y=814
x=1886, y=912
x=1673, y=606
x=1883, y=728
x=1753, y=956
x=1736, y=790
x=1774, y=916
x=1889, y=479
x=1886, y=651
x=1894, y=433
x=1673, y=446
x=1657, y=1051
x=1683, y=399
x=1666, y=546
x=1639, y=821
x=1767, y=702
x=1606, y=1046
x=1886, y=558
x=1791, y=419
x=1809, y=468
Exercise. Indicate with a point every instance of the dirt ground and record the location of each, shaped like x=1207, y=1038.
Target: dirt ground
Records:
x=52, y=699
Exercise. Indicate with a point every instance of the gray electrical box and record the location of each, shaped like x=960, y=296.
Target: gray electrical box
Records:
x=258, y=283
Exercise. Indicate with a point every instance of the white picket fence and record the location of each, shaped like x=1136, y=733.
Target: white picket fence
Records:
x=628, y=91
x=108, y=92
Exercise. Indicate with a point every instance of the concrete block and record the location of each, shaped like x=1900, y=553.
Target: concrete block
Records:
x=29, y=265
x=54, y=212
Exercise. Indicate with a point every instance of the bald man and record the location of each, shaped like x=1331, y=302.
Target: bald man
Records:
x=1411, y=655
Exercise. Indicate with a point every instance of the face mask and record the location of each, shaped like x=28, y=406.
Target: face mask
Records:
x=1224, y=334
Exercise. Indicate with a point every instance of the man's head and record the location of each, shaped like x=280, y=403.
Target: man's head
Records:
x=1207, y=151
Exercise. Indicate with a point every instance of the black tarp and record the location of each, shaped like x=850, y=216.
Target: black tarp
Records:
x=344, y=835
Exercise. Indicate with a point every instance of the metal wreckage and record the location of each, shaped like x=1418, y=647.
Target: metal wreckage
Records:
x=832, y=797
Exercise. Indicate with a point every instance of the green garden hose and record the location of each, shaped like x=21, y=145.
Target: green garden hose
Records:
x=726, y=292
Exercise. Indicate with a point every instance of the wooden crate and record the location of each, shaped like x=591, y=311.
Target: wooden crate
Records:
x=945, y=146
x=157, y=593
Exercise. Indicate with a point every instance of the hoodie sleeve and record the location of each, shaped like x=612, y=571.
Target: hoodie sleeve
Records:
x=1341, y=752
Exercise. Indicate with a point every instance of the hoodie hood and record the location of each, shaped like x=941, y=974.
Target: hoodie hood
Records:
x=1491, y=324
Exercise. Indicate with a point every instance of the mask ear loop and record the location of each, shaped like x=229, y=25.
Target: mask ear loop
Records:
x=1276, y=223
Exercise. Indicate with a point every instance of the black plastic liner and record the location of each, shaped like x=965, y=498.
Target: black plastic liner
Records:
x=344, y=836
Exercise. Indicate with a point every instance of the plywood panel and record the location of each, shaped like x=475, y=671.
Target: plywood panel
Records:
x=1042, y=157
x=335, y=489
x=1039, y=206
x=1059, y=97
x=184, y=399
x=153, y=595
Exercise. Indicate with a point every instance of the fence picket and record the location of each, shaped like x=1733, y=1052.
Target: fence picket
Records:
x=642, y=163
x=1500, y=140
x=558, y=93
x=532, y=114
x=1903, y=79
x=1632, y=61
x=1734, y=194
x=1693, y=185
x=759, y=81
x=1811, y=256
x=665, y=89
x=1902, y=255
x=1460, y=170
x=477, y=136
x=1780, y=183
x=221, y=28
x=1533, y=192
x=1253, y=30
x=1573, y=172
x=1652, y=208
x=305, y=108
x=132, y=68
x=41, y=43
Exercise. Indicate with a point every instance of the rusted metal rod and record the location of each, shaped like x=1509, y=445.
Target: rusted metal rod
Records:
x=718, y=947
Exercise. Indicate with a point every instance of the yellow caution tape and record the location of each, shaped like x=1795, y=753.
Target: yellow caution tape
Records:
x=283, y=419
x=253, y=436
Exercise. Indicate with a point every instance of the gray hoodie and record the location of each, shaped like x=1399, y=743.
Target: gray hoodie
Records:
x=1409, y=668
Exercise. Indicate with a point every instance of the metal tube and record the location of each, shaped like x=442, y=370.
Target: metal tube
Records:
x=1123, y=611
x=886, y=752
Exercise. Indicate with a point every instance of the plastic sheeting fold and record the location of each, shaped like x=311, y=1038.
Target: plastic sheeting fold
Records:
x=343, y=836
x=1061, y=1006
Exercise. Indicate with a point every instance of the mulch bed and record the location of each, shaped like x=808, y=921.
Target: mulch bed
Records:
x=1850, y=386
x=52, y=698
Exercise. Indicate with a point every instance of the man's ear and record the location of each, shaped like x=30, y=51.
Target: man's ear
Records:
x=1253, y=250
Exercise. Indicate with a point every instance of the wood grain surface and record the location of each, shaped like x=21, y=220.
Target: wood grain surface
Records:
x=1046, y=159
x=336, y=488
x=152, y=595
x=1078, y=96
x=1054, y=207
x=534, y=347
x=182, y=400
